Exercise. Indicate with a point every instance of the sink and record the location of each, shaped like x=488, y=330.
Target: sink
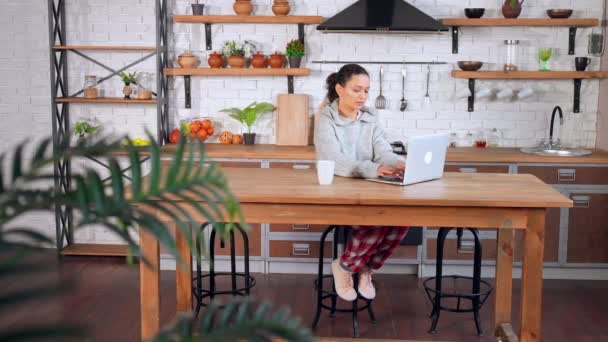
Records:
x=556, y=152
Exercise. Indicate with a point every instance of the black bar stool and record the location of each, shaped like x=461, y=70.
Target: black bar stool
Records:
x=340, y=234
x=480, y=289
x=201, y=293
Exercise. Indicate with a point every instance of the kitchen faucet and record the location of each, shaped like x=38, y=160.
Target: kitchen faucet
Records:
x=557, y=109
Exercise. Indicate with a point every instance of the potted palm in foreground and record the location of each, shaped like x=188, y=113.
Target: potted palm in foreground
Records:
x=249, y=116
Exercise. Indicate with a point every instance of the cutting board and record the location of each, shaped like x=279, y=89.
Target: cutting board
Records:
x=292, y=122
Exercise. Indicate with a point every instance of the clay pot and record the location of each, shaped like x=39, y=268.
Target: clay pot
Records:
x=127, y=91
x=187, y=60
x=511, y=12
x=281, y=7
x=243, y=7
x=236, y=61
x=276, y=60
x=259, y=61
x=215, y=60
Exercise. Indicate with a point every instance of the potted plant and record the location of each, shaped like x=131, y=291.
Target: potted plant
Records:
x=295, y=52
x=235, y=53
x=197, y=9
x=128, y=79
x=248, y=117
x=84, y=128
x=512, y=8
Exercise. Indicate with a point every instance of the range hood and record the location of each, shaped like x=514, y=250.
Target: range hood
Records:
x=389, y=16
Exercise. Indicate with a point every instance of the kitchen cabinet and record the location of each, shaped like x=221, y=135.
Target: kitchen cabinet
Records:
x=552, y=238
x=255, y=243
x=298, y=249
x=588, y=229
x=566, y=174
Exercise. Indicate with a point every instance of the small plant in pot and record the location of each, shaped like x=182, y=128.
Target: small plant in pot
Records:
x=83, y=129
x=235, y=54
x=295, y=52
x=248, y=117
x=128, y=79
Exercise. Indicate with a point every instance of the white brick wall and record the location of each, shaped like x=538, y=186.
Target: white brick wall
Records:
x=25, y=92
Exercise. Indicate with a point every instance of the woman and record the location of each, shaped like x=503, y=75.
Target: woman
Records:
x=349, y=133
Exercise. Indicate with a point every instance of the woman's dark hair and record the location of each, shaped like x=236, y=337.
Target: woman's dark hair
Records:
x=342, y=77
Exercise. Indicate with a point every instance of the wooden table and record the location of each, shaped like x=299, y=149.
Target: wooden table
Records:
x=505, y=202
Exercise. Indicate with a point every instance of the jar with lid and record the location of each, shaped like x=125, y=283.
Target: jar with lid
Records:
x=493, y=138
x=453, y=139
x=467, y=140
x=90, y=87
x=511, y=55
x=480, y=139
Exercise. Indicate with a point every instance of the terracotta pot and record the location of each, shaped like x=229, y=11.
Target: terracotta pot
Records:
x=511, y=12
x=276, y=60
x=243, y=7
x=187, y=60
x=281, y=7
x=236, y=61
x=215, y=60
x=259, y=61
x=127, y=91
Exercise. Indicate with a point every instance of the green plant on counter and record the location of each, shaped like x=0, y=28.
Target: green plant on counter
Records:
x=84, y=128
x=232, y=48
x=190, y=177
x=129, y=78
x=250, y=114
x=295, y=48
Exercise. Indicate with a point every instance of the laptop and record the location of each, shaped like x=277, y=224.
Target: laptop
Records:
x=424, y=162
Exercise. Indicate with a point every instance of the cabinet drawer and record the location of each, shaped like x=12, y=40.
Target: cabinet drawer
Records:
x=588, y=229
x=488, y=249
x=477, y=168
x=255, y=242
x=253, y=165
x=568, y=174
x=405, y=252
x=298, y=228
x=295, y=166
x=552, y=222
x=298, y=249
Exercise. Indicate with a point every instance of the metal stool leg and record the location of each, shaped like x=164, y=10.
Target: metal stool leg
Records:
x=443, y=232
x=320, y=279
x=212, y=264
x=355, y=310
x=334, y=298
x=232, y=264
x=370, y=311
x=199, y=279
x=477, y=280
x=246, y=250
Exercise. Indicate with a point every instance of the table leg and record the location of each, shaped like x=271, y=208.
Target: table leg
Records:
x=149, y=285
x=183, y=277
x=532, y=276
x=503, y=289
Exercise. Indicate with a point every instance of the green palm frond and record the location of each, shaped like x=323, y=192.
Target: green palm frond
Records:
x=238, y=321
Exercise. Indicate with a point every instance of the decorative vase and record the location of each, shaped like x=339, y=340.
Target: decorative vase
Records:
x=127, y=91
x=236, y=61
x=187, y=60
x=512, y=11
x=294, y=61
x=259, y=61
x=197, y=9
x=281, y=7
x=249, y=138
x=276, y=60
x=243, y=7
x=215, y=60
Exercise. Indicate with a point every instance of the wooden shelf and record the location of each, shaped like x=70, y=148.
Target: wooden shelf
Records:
x=105, y=48
x=530, y=75
x=85, y=249
x=237, y=72
x=104, y=100
x=546, y=22
x=249, y=19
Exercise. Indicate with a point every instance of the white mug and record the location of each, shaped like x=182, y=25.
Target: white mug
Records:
x=463, y=93
x=505, y=93
x=325, y=171
x=525, y=93
x=483, y=93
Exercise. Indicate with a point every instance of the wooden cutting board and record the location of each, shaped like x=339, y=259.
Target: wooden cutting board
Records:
x=292, y=122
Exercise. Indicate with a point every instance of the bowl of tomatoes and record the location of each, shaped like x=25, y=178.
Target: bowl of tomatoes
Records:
x=201, y=129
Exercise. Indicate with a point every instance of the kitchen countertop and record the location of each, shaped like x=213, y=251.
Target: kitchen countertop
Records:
x=460, y=154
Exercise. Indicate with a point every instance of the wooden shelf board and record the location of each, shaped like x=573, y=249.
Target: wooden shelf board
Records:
x=249, y=19
x=237, y=72
x=85, y=249
x=546, y=75
x=520, y=22
x=103, y=100
x=105, y=48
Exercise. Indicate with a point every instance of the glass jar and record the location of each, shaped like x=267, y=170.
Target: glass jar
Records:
x=480, y=139
x=453, y=139
x=467, y=140
x=511, y=53
x=493, y=138
x=90, y=87
x=595, y=45
x=144, y=85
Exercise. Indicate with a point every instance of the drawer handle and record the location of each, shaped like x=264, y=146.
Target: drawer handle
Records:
x=468, y=170
x=301, y=167
x=581, y=201
x=300, y=226
x=300, y=249
x=466, y=247
x=566, y=175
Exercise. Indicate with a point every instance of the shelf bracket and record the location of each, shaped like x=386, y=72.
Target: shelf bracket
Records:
x=571, y=40
x=301, y=33
x=208, y=37
x=472, y=95
x=187, y=82
x=455, y=33
x=577, y=95
x=290, y=84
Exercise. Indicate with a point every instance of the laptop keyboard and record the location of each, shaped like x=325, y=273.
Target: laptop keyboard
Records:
x=392, y=178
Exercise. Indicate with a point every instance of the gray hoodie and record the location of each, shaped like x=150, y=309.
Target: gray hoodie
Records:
x=358, y=147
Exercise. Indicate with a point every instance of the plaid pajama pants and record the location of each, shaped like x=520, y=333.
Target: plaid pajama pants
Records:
x=370, y=246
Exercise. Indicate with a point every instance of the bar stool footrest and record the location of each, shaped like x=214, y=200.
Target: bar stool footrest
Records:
x=485, y=291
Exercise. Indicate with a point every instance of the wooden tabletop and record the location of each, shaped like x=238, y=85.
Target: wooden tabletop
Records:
x=454, y=190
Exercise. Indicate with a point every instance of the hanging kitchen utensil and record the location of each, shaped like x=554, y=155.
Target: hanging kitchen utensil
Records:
x=403, y=106
x=427, y=97
x=380, y=100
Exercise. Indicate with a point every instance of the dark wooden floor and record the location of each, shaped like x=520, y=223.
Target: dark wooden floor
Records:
x=106, y=301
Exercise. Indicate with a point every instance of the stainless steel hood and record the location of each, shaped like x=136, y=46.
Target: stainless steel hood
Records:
x=382, y=16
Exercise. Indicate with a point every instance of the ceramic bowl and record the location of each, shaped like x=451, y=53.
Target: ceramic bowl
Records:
x=559, y=13
x=474, y=13
x=470, y=65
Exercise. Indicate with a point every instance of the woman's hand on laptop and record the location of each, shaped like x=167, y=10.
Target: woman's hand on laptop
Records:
x=384, y=171
x=400, y=166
